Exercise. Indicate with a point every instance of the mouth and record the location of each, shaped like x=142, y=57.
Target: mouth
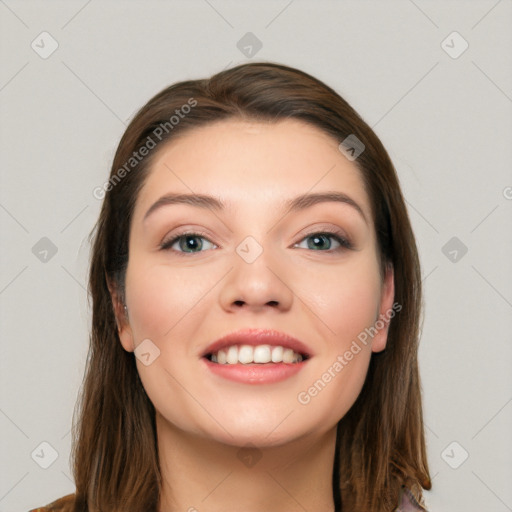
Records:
x=256, y=356
x=257, y=346
x=259, y=354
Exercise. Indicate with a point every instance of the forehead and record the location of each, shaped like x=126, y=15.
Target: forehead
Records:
x=248, y=161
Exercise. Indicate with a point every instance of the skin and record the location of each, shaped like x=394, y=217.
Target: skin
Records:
x=182, y=302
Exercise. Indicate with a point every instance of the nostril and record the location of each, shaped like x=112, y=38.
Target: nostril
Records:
x=272, y=303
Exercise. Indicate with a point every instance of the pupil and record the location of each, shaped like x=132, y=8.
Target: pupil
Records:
x=318, y=241
x=191, y=242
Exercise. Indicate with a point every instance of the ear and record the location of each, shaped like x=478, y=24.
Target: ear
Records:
x=124, y=330
x=386, y=311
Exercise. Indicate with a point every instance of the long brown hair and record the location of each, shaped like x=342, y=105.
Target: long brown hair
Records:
x=380, y=443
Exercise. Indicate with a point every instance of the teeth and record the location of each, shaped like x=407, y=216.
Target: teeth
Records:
x=262, y=354
x=288, y=355
x=221, y=357
x=247, y=354
x=232, y=355
x=277, y=354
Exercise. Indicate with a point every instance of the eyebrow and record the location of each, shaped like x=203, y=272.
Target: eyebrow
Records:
x=295, y=204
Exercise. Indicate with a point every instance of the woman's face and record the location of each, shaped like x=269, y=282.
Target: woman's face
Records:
x=253, y=263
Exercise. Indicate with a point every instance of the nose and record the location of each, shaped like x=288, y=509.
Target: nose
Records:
x=256, y=287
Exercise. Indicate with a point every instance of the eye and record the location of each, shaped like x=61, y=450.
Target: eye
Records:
x=324, y=241
x=188, y=243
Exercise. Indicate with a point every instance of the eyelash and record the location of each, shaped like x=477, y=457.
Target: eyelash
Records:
x=336, y=235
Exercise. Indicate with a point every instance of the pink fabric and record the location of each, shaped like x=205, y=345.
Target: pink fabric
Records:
x=409, y=503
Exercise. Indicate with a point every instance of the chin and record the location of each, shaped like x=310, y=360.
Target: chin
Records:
x=260, y=429
x=256, y=438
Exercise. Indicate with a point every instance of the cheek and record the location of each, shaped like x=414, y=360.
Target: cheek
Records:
x=161, y=299
x=334, y=388
x=348, y=307
x=346, y=302
x=167, y=306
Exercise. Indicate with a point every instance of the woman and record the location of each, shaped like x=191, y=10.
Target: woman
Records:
x=256, y=299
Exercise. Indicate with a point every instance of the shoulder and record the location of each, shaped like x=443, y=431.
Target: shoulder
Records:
x=409, y=502
x=62, y=504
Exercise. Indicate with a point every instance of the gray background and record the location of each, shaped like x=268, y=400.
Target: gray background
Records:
x=446, y=122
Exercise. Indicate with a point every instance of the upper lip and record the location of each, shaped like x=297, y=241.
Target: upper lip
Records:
x=258, y=337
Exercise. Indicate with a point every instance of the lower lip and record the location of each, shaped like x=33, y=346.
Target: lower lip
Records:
x=255, y=373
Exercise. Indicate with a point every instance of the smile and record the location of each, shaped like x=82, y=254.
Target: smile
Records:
x=259, y=354
x=256, y=356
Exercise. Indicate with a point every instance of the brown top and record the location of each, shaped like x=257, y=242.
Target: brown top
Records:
x=408, y=503
x=58, y=505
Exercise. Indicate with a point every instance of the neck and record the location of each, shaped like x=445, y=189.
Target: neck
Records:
x=199, y=474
